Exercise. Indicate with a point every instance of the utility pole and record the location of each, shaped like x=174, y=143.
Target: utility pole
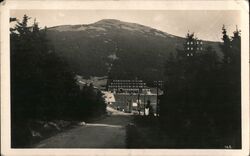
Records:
x=138, y=103
x=144, y=105
x=158, y=84
x=109, y=79
x=157, y=95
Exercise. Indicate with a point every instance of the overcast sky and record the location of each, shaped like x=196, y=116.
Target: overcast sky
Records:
x=206, y=24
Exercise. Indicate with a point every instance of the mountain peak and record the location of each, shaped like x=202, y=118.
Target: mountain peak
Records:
x=116, y=22
x=108, y=21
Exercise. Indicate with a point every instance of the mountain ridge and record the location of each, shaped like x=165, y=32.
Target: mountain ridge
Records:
x=89, y=48
x=110, y=22
x=105, y=21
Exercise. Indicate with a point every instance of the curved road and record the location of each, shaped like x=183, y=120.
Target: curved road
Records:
x=109, y=132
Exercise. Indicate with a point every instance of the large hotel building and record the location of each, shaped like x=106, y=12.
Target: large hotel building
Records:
x=127, y=86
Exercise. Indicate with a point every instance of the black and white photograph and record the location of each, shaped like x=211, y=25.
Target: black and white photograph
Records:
x=126, y=79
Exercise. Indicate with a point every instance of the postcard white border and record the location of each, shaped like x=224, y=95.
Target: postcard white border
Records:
x=124, y=5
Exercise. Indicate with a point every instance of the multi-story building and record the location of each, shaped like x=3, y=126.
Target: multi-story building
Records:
x=192, y=46
x=127, y=86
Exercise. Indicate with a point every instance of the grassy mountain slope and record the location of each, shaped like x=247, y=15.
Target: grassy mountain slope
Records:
x=133, y=50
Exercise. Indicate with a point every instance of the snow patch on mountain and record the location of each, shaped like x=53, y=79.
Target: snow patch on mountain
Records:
x=159, y=34
x=62, y=28
x=81, y=28
x=128, y=28
x=96, y=28
x=113, y=57
x=77, y=28
x=117, y=24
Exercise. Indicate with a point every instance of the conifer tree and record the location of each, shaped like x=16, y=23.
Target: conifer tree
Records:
x=236, y=44
x=43, y=87
x=225, y=47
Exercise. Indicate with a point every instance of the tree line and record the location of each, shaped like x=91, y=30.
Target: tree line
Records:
x=43, y=87
x=201, y=105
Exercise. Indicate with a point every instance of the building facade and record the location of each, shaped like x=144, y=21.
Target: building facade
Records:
x=193, y=46
x=127, y=86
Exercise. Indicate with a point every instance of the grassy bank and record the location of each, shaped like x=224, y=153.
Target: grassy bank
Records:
x=147, y=132
x=27, y=134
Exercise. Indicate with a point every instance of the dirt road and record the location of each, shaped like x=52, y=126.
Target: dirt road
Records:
x=109, y=132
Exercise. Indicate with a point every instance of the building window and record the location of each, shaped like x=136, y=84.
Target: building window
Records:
x=191, y=48
x=187, y=48
x=191, y=43
x=187, y=43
